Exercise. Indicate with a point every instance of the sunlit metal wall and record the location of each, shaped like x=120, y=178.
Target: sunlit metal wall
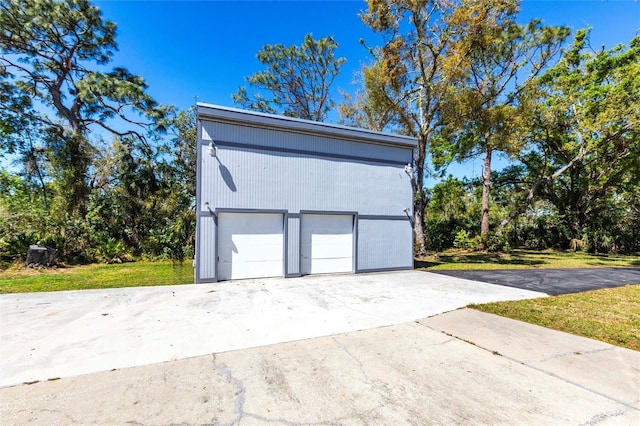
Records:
x=308, y=166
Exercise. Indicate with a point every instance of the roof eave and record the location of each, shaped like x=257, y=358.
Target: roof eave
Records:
x=263, y=120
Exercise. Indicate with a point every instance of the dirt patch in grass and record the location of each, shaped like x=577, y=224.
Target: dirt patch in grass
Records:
x=610, y=315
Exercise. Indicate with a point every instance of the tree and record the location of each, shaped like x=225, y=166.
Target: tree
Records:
x=297, y=80
x=182, y=150
x=47, y=49
x=484, y=111
x=367, y=109
x=143, y=198
x=452, y=207
x=583, y=135
x=23, y=220
x=179, y=210
x=422, y=56
x=33, y=157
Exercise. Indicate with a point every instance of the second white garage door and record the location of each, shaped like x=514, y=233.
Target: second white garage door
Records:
x=326, y=243
x=250, y=245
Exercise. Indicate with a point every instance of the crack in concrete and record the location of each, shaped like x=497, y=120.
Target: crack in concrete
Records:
x=71, y=419
x=557, y=356
x=541, y=370
x=241, y=398
x=344, y=348
x=290, y=423
x=452, y=337
x=549, y=373
x=362, y=415
x=605, y=416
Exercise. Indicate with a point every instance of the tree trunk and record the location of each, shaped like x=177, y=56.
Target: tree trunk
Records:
x=486, y=187
x=71, y=160
x=418, y=228
x=420, y=201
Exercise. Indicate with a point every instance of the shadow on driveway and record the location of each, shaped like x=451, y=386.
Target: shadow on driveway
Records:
x=554, y=281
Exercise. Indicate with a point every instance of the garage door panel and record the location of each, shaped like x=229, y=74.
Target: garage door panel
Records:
x=274, y=255
x=250, y=245
x=332, y=246
x=319, y=224
x=331, y=265
x=245, y=223
x=326, y=244
x=240, y=270
x=255, y=246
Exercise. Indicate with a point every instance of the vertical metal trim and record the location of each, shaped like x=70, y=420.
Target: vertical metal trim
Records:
x=285, y=243
x=293, y=245
x=198, y=200
x=215, y=251
x=355, y=243
x=300, y=244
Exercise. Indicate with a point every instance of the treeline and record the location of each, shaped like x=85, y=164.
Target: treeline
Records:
x=470, y=82
x=139, y=203
x=611, y=226
x=572, y=140
x=102, y=172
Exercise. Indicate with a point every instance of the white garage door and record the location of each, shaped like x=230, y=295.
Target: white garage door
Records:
x=250, y=245
x=326, y=243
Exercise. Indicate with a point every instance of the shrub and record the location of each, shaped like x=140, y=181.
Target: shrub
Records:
x=111, y=251
x=462, y=240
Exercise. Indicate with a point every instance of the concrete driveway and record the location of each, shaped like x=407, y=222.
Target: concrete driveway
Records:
x=461, y=367
x=325, y=350
x=554, y=281
x=53, y=335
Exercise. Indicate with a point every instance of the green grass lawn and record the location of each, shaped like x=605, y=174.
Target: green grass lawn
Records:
x=610, y=315
x=133, y=274
x=522, y=259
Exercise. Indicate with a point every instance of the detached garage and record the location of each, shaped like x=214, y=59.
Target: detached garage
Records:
x=278, y=196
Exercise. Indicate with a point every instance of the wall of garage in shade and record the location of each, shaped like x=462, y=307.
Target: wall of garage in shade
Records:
x=258, y=168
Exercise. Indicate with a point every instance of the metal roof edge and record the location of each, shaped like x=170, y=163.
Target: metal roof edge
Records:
x=229, y=114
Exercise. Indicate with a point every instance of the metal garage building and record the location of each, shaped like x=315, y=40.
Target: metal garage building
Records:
x=279, y=196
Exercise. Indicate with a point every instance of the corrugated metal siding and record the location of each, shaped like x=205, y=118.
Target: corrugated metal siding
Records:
x=280, y=139
x=241, y=178
x=384, y=244
x=251, y=178
x=293, y=255
x=261, y=120
x=207, y=243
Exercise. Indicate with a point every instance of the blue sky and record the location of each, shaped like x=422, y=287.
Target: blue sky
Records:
x=205, y=48
x=185, y=49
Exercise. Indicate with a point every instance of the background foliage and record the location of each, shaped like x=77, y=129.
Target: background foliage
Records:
x=101, y=172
